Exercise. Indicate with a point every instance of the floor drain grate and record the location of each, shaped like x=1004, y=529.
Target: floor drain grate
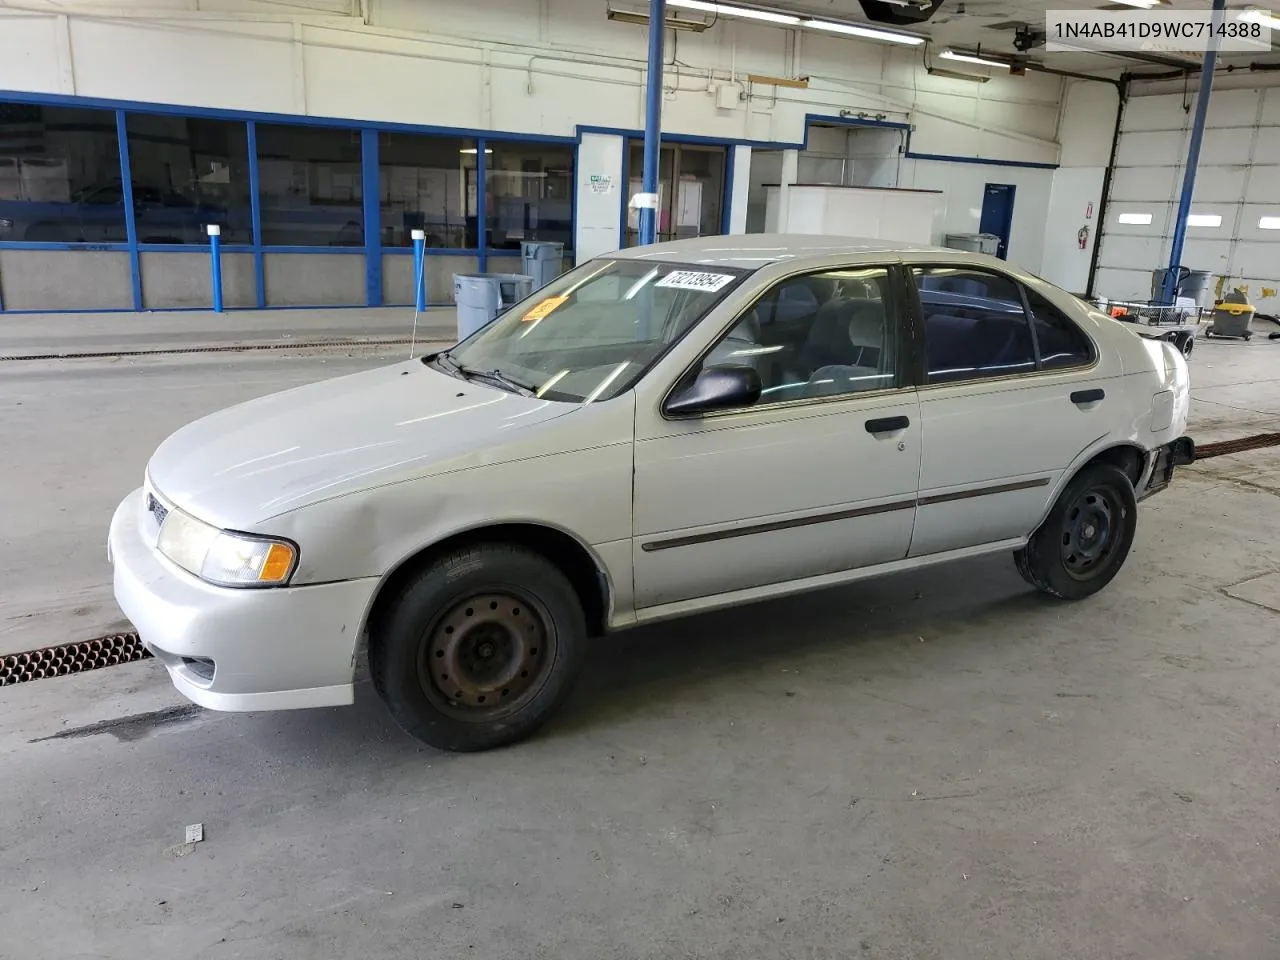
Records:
x=1244, y=444
x=71, y=658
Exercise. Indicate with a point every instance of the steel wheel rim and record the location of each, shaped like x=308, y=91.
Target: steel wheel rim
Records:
x=1090, y=533
x=488, y=655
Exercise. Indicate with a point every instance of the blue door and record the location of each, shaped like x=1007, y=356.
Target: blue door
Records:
x=997, y=214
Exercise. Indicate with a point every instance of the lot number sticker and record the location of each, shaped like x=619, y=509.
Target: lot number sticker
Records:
x=695, y=280
x=542, y=309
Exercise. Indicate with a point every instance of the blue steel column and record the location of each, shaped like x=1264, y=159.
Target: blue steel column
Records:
x=653, y=118
x=371, y=192
x=1169, y=289
x=130, y=218
x=255, y=215
x=482, y=208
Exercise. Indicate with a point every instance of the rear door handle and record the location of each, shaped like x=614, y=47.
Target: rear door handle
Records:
x=887, y=424
x=1088, y=396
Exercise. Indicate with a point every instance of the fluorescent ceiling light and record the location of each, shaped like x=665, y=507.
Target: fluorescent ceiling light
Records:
x=867, y=33
x=473, y=151
x=672, y=22
x=1142, y=219
x=1147, y=4
x=1264, y=17
x=970, y=58
x=1269, y=223
x=957, y=75
x=726, y=10
x=1204, y=220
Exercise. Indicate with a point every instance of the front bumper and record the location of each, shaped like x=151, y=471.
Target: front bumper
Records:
x=237, y=649
x=1164, y=460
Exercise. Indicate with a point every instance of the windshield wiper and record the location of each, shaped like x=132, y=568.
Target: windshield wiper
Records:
x=497, y=376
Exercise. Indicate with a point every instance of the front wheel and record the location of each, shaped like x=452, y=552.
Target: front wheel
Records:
x=479, y=648
x=1086, y=537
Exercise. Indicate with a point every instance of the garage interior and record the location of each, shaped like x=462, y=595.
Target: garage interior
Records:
x=930, y=765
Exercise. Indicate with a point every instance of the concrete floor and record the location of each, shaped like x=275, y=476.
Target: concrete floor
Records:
x=938, y=765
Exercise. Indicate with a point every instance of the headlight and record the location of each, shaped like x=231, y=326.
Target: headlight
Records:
x=225, y=559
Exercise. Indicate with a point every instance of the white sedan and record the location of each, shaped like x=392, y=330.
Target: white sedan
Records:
x=660, y=431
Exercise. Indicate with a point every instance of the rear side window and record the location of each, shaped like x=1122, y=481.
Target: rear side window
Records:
x=1061, y=342
x=974, y=323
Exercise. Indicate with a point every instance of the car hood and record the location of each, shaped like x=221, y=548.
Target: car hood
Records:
x=259, y=459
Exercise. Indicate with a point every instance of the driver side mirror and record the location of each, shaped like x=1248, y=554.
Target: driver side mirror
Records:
x=716, y=388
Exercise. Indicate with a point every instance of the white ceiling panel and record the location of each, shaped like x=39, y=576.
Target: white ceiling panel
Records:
x=1251, y=215
x=1161, y=216
x=1258, y=260
x=1154, y=113
x=1231, y=108
x=1123, y=284
x=1212, y=255
x=1267, y=149
x=1271, y=106
x=1226, y=146
x=1264, y=182
x=1214, y=184
x=1120, y=251
x=1145, y=183
x=1151, y=149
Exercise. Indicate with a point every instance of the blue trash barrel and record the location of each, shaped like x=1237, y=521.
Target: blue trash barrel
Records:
x=480, y=297
x=543, y=260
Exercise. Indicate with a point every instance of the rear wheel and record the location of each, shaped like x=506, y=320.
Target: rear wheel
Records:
x=478, y=649
x=1086, y=537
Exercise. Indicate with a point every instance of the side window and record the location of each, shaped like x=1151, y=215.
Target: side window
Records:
x=974, y=325
x=825, y=334
x=1061, y=342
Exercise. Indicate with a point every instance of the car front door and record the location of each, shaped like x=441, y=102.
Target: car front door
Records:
x=816, y=477
x=1011, y=394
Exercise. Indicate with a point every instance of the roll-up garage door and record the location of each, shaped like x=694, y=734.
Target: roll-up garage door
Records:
x=1235, y=226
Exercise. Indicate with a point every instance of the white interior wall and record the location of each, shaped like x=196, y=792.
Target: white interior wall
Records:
x=510, y=65
x=1086, y=125
x=516, y=66
x=963, y=185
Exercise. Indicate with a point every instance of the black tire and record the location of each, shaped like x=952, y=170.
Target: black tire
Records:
x=477, y=650
x=1086, y=537
x=1248, y=336
x=1188, y=344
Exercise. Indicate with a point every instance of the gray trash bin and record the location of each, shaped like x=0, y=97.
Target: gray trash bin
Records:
x=1196, y=284
x=482, y=296
x=543, y=261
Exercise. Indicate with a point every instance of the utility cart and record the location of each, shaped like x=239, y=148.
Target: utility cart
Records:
x=1178, y=323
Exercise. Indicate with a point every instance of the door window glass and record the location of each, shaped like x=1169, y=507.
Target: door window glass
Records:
x=1061, y=342
x=974, y=325
x=820, y=335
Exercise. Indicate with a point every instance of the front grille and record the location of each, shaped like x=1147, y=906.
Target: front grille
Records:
x=157, y=510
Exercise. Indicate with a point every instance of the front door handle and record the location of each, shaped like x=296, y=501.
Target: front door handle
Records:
x=887, y=424
x=1088, y=396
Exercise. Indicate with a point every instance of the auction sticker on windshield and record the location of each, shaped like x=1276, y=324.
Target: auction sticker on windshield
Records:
x=541, y=309
x=695, y=280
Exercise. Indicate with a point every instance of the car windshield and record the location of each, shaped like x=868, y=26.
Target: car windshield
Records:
x=590, y=334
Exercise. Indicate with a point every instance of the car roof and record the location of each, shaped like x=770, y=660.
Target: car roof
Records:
x=753, y=251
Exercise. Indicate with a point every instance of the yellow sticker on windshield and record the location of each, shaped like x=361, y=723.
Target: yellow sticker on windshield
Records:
x=542, y=309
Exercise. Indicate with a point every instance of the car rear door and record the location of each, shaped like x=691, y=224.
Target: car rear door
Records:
x=818, y=476
x=1011, y=392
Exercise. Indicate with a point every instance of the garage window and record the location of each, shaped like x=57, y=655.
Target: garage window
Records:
x=529, y=193
x=310, y=184
x=424, y=183
x=59, y=175
x=975, y=325
x=188, y=173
